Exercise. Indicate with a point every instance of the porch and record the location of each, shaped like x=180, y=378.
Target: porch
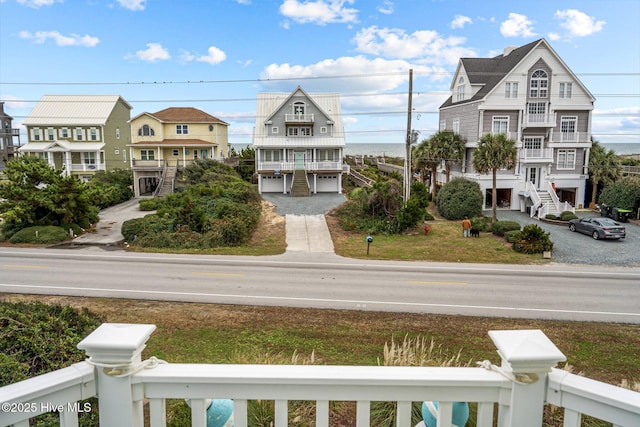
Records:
x=513, y=394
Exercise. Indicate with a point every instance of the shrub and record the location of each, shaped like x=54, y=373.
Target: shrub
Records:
x=419, y=191
x=552, y=217
x=481, y=223
x=150, y=204
x=42, y=234
x=513, y=236
x=567, y=216
x=534, y=240
x=622, y=194
x=500, y=227
x=458, y=198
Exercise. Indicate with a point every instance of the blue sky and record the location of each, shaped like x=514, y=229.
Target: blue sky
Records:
x=217, y=55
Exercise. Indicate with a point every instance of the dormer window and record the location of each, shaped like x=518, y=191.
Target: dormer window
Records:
x=539, y=86
x=298, y=108
x=146, y=130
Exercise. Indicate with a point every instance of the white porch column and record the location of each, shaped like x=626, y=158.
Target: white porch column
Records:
x=68, y=163
x=115, y=349
x=527, y=356
x=339, y=183
x=259, y=183
x=284, y=183
x=315, y=183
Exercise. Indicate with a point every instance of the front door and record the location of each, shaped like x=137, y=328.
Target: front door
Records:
x=299, y=158
x=203, y=154
x=533, y=176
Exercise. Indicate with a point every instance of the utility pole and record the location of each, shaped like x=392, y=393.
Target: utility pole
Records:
x=407, y=161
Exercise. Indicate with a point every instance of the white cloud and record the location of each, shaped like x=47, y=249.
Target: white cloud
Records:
x=214, y=56
x=243, y=1
x=386, y=7
x=579, y=24
x=517, y=26
x=133, y=4
x=15, y=103
x=59, y=39
x=460, y=21
x=154, y=52
x=426, y=45
x=373, y=75
x=554, y=36
x=186, y=56
x=38, y=3
x=320, y=12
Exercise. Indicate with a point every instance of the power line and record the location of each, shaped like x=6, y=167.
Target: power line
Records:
x=305, y=78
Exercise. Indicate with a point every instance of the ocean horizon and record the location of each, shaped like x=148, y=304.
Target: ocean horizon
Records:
x=398, y=150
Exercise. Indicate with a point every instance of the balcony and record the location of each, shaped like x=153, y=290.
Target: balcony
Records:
x=571, y=137
x=511, y=395
x=87, y=167
x=539, y=120
x=308, y=166
x=298, y=118
x=536, y=155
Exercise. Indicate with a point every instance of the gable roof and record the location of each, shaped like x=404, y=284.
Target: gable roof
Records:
x=185, y=115
x=489, y=72
x=268, y=103
x=81, y=110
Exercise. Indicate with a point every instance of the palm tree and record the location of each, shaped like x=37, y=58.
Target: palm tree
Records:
x=447, y=146
x=423, y=158
x=604, y=167
x=495, y=151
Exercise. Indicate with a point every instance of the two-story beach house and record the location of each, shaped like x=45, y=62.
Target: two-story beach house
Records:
x=531, y=95
x=299, y=141
x=80, y=134
x=9, y=138
x=170, y=139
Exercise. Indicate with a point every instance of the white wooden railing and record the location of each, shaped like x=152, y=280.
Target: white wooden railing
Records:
x=309, y=166
x=115, y=373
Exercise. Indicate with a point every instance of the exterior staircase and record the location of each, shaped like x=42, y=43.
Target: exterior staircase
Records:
x=166, y=186
x=550, y=207
x=300, y=186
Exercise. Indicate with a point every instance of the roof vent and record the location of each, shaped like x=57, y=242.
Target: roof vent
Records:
x=509, y=49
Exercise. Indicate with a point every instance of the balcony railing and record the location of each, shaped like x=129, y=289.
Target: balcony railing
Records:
x=299, y=118
x=540, y=120
x=88, y=167
x=576, y=137
x=309, y=166
x=116, y=374
x=536, y=154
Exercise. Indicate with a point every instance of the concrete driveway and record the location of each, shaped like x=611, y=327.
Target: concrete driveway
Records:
x=108, y=230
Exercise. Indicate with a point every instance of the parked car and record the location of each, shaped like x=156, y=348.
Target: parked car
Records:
x=598, y=228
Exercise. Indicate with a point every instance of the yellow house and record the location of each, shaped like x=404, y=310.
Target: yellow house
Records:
x=170, y=139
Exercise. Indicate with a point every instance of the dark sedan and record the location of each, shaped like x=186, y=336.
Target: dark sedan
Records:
x=598, y=228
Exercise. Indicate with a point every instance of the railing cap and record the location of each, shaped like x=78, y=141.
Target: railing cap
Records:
x=527, y=351
x=116, y=343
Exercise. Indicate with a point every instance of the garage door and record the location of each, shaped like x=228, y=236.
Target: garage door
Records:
x=271, y=184
x=327, y=184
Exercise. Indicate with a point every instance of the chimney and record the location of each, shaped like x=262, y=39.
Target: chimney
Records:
x=509, y=49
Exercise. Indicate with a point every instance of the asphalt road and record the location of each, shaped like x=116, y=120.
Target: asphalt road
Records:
x=328, y=281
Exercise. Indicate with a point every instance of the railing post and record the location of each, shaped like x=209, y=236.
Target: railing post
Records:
x=115, y=349
x=527, y=357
